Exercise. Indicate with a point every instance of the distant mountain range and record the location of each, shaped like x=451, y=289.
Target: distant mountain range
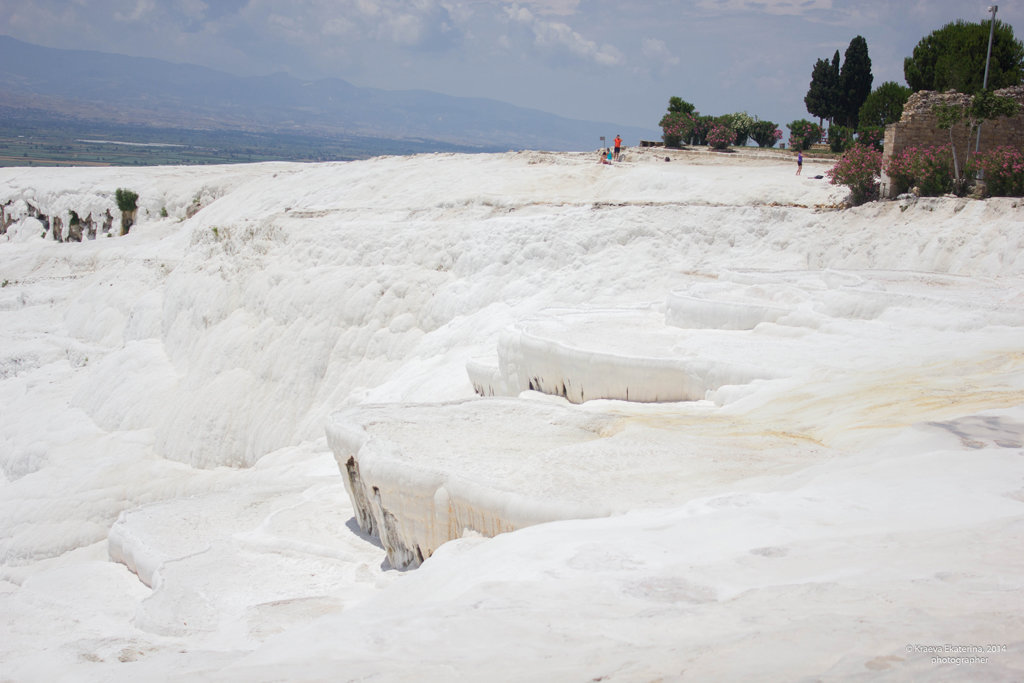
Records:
x=109, y=88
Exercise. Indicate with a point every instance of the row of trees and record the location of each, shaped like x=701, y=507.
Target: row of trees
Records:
x=682, y=124
x=954, y=57
x=840, y=92
x=950, y=58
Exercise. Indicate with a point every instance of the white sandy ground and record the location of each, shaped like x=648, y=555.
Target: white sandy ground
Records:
x=164, y=396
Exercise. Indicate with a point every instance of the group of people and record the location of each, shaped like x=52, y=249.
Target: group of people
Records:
x=608, y=156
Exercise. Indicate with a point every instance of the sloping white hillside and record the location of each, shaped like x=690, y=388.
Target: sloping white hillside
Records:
x=170, y=508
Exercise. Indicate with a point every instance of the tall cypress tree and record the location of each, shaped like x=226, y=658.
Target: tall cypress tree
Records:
x=854, y=82
x=819, y=98
x=835, y=77
x=835, y=93
x=823, y=93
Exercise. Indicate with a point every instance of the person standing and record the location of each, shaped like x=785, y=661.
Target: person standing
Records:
x=799, y=161
x=618, y=146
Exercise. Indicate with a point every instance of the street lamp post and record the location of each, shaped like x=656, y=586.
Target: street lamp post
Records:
x=988, y=57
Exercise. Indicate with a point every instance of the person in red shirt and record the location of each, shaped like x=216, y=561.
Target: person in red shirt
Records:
x=618, y=146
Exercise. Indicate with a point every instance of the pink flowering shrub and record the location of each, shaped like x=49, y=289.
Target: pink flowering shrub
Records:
x=871, y=135
x=720, y=136
x=701, y=128
x=858, y=169
x=930, y=169
x=803, y=134
x=676, y=127
x=1002, y=169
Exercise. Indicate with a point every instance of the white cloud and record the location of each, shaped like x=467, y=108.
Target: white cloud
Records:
x=140, y=11
x=519, y=14
x=656, y=50
x=556, y=35
x=420, y=24
x=552, y=7
x=784, y=7
x=338, y=26
x=286, y=26
x=405, y=29
x=194, y=9
x=368, y=8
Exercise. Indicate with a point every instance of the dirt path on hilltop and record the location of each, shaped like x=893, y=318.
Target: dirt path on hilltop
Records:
x=752, y=156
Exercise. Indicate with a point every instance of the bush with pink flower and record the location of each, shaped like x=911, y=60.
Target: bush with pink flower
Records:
x=720, y=136
x=858, y=169
x=871, y=135
x=803, y=134
x=676, y=127
x=1001, y=169
x=928, y=169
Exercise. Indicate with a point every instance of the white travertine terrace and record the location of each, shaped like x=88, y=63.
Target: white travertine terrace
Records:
x=420, y=475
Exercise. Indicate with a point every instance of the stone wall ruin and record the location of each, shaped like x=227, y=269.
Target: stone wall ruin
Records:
x=919, y=128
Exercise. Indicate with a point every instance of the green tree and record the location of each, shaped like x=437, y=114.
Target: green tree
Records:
x=840, y=138
x=677, y=105
x=884, y=105
x=127, y=203
x=765, y=133
x=953, y=58
x=126, y=200
x=823, y=94
x=854, y=82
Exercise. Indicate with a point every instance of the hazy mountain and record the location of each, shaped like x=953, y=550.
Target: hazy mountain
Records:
x=108, y=87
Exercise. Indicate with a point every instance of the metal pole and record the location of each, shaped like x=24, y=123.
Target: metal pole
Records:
x=984, y=85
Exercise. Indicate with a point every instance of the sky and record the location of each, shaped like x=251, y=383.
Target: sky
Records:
x=599, y=60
